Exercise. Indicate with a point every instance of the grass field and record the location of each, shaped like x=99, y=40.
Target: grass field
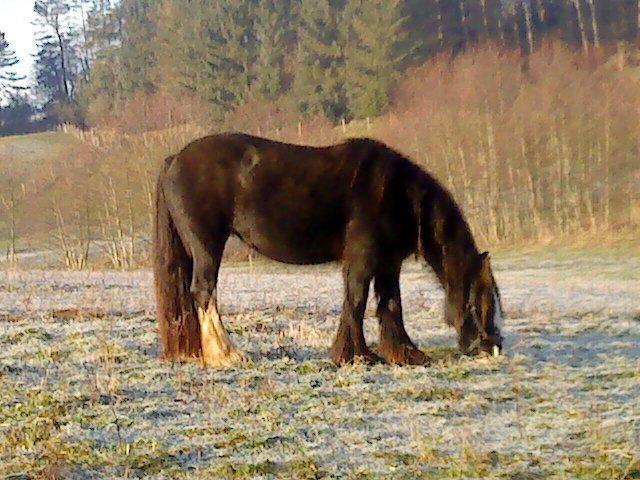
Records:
x=84, y=395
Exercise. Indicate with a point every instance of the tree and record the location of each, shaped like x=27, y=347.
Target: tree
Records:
x=102, y=30
x=137, y=53
x=209, y=49
x=104, y=89
x=15, y=116
x=320, y=66
x=9, y=79
x=55, y=50
x=123, y=49
x=337, y=58
x=271, y=31
x=233, y=55
x=375, y=53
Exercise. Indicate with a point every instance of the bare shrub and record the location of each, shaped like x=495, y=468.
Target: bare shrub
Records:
x=535, y=151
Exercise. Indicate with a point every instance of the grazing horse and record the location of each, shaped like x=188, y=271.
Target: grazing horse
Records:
x=359, y=202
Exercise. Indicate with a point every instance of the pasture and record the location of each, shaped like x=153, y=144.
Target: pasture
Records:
x=83, y=393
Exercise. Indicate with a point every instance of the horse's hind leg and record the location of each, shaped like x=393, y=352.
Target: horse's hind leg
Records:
x=395, y=344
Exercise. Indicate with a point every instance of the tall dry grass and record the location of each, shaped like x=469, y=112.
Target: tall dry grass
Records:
x=540, y=150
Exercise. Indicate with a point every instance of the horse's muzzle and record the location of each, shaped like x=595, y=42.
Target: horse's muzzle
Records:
x=492, y=345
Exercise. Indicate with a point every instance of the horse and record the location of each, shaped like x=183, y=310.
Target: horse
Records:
x=359, y=202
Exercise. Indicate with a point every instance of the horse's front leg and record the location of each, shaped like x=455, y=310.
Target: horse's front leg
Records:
x=217, y=348
x=349, y=342
x=395, y=344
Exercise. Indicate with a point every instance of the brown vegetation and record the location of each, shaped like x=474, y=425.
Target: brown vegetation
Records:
x=536, y=151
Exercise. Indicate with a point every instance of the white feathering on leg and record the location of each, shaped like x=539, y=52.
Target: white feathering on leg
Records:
x=217, y=348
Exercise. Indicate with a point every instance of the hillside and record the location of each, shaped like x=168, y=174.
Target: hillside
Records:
x=546, y=155
x=32, y=167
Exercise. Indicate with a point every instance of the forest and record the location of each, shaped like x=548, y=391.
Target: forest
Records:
x=340, y=59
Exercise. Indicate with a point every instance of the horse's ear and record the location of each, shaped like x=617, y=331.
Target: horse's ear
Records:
x=485, y=269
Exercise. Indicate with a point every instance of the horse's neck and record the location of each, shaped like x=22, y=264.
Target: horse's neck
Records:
x=446, y=241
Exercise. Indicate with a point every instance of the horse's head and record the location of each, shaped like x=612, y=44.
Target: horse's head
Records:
x=480, y=316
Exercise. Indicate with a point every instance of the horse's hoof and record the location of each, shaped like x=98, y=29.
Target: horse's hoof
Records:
x=341, y=354
x=369, y=358
x=348, y=358
x=407, y=355
x=232, y=358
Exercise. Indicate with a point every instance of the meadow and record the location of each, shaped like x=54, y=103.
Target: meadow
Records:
x=83, y=393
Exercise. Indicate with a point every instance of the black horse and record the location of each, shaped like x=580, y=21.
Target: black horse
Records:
x=358, y=202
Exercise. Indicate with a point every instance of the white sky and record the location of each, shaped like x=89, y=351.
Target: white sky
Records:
x=15, y=21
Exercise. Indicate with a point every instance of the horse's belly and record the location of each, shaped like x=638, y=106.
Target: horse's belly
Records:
x=294, y=254
x=296, y=240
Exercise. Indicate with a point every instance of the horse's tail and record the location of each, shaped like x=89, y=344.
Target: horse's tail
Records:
x=178, y=325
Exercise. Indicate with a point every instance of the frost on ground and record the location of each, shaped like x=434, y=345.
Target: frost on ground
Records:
x=84, y=395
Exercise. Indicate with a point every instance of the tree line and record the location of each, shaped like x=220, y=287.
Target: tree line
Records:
x=336, y=58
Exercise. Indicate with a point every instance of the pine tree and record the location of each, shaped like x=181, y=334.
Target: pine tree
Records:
x=15, y=116
x=320, y=66
x=271, y=30
x=55, y=56
x=183, y=43
x=122, y=43
x=424, y=27
x=338, y=58
x=376, y=50
x=232, y=56
x=210, y=48
x=485, y=18
x=8, y=78
x=620, y=20
x=137, y=52
x=103, y=90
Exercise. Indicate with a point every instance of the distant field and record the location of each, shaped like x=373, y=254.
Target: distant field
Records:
x=20, y=153
x=33, y=167
x=83, y=394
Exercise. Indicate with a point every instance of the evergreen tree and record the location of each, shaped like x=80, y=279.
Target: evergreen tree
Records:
x=233, y=52
x=484, y=19
x=8, y=78
x=56, y=56
x=122, y=44
x=136, y=52
x=320, y=66
x=212, y=50
x=15, y=116
x=376, y=49
x=619, y=19
x=183, y=42
x=271, y=30
x=104, y=90
x=338, y=58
